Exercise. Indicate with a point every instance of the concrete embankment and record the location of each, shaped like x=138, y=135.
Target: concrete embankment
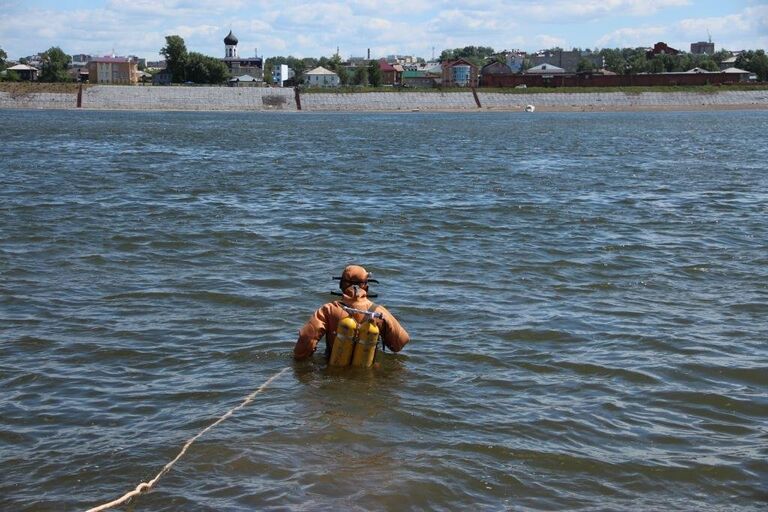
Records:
x=274, y=99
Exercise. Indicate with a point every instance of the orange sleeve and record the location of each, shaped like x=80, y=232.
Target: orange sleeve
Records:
x=394, y=336
x=310, y=333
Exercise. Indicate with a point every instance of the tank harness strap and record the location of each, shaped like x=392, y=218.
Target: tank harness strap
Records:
x=372, y=309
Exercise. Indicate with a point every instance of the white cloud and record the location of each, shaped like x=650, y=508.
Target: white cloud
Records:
x=640, y=37
x=303, y=28
x=544, y=41
x=735, y=31
x=597, y=9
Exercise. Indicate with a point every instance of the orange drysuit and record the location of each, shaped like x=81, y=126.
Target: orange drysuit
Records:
x=354, y=285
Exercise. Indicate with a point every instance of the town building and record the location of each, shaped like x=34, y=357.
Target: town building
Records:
x=163, y=77
x=321, y=77
x=113, y=70
x=568, y=60
x=244, y=81
x=239, y=66
x=661, y=48
x=459, y=73
x=281, y=74
x=493, y=70
x=703, y=47
x=25, y=72
x=515, y=60
x=545, y=69
x=391, y=74
x=729, y=62
x=740, y=75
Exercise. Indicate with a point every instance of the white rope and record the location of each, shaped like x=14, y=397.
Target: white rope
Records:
x=147, y=486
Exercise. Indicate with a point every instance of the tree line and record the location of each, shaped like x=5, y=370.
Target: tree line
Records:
x=187, y=66
x=366, y=75
x=54, y=66
x=629, y=61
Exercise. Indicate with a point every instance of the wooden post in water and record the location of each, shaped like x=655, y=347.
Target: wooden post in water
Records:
x=477, y=98
x=298, y=97
x=80, y=96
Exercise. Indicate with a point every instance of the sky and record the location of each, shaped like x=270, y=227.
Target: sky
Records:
x=422, y=28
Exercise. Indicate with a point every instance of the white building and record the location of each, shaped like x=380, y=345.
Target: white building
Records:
x=544, y=69
x=282, y=73
x=321, y=77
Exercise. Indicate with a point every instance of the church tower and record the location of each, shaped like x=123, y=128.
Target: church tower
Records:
x=230, y=46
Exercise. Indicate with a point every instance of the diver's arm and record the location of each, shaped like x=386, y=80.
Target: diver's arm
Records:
x=310, y=334
x=394, y=336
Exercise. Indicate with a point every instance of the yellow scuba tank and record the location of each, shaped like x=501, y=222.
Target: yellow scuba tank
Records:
x=344, y=345
x=365, y=348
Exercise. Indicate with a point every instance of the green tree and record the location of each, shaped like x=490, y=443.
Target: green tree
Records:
x=477, y=55
x=343, y=75
x=218, y=72
x=175, y=53
x=195, y=69
x=361, y=76
x=614, y=60
x=3, y=56
x=55, y=63
x=202, y=69
x=269, y=70
x=755, y=61
x=709, y=64
x=720, y=56
x=337, y=67
x=585, y=65
x=656, y=66
x=374, y=73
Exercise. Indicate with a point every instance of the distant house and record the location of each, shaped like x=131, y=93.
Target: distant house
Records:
x=26, y=73
x=515, y=60
x=568, y=60
x=660, y=49
x=281, y=74
x=244, y=81
x=459, y=73
x=490, y=71
x=544, y=69
x=698, y=70
x=321, y=77
x=418, y=78
x=729, y=62
x=703, y=47
x=113, y=70
x=163, y=77
x=740, y=74
x=391, y=74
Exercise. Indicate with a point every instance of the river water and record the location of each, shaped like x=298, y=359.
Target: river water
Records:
x=587, y=296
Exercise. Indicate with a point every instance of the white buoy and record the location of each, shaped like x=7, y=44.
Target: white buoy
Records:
x=530, y=108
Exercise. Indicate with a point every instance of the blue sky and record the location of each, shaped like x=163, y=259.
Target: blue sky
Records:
x=305, y=28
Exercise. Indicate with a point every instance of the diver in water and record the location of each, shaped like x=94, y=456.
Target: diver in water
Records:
x=351, y=325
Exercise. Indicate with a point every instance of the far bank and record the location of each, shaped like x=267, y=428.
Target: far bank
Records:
x=201, y=98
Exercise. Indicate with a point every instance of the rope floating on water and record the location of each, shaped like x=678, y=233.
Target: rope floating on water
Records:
x=147, y=486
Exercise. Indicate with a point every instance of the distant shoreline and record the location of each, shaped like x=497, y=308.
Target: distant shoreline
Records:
x=257, y=99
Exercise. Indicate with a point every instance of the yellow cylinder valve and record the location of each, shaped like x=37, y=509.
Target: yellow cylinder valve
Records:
x=365, y=348
x=344, y=346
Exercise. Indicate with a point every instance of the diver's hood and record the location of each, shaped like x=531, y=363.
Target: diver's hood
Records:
x=353, y=283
